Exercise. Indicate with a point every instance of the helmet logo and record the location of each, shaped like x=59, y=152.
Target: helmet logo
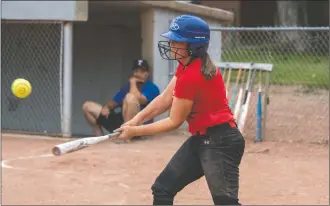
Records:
x=174, y=26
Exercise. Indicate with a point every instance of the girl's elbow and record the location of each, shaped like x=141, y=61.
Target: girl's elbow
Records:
x=177, y=123
x=177, y=126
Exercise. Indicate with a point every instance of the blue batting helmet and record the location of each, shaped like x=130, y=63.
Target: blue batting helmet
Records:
x=190, y=29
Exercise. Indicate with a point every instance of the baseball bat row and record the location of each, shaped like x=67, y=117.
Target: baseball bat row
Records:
x=239, y=102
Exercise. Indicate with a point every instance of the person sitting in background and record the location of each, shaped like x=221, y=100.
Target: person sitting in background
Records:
x=133, y=97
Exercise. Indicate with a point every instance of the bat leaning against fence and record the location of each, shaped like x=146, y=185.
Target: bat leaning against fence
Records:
x=239, y=97
x=233, y=96
x=228, y=78
x=259, y=110
x=247, y=97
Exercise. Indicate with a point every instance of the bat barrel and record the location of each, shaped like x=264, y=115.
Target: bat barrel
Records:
x=79, y=144
x=72, y=146
x=56, y=151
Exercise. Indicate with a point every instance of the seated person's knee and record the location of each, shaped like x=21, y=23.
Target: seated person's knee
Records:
x=86, y=106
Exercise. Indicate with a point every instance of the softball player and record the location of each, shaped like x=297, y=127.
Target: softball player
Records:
x=196, y=94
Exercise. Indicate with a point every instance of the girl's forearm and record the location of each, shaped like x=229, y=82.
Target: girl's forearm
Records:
x=158, y=106
x=154, y=113
x=160, y=126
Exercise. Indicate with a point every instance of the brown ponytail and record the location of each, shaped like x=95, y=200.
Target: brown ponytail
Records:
x=208, y=68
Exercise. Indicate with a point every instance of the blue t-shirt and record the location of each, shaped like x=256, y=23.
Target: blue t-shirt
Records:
x=149, y=90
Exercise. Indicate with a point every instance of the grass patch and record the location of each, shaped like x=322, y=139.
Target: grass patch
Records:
x=288, y=68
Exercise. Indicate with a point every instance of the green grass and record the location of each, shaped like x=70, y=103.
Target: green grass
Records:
x=288, y=69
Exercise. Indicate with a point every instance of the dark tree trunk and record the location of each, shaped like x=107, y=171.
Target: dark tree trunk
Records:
x=291, y=14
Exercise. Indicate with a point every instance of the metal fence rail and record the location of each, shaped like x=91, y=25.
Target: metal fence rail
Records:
x=31, y=51
x=299, y=83
x=270, y=28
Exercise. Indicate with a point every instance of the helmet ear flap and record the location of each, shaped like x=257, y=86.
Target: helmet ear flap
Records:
x=198, y=49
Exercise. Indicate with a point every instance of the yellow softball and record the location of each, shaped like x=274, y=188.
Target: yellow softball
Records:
x=21, y=88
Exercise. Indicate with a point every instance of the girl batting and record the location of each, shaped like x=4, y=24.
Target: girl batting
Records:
x=196, y=94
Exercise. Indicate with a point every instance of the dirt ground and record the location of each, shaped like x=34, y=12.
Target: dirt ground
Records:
x=108, y=173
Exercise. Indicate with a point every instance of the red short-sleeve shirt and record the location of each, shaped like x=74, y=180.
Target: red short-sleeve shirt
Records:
x=210, y=102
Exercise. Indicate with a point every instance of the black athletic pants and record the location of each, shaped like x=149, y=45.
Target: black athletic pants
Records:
x=217, y=155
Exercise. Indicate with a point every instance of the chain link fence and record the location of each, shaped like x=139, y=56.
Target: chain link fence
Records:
x=298, y=107
x=31, y=51
x=299, y=83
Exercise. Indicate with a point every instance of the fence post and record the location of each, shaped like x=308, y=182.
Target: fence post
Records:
x=67, y=79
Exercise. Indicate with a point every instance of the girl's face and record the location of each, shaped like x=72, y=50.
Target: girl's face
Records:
x=178, y=49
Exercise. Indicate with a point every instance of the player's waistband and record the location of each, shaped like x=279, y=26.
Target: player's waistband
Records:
x=223, y=126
